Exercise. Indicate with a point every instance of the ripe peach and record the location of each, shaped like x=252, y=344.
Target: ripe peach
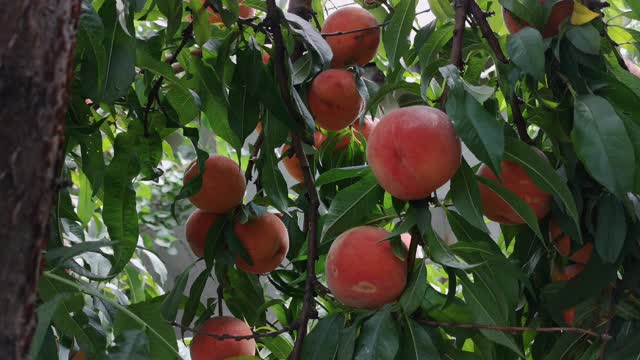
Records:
x=356, y=48
x=265, y=57
x=516, y=180
x=583, y=255
x=79, y=356
x=633, y=68
x=266, y=240
x=334, y=100
x=223, y=184
x=565, y=274
x=292, y=164
x=366, y=130
x=197, y=227
x=561, y=11
x=244, y=12
x=413, y=151
x=362, y=271
x=560, y=239
x=204, y=347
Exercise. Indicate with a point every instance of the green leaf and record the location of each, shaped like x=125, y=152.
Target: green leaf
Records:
x=416, y=343
x=194, y=185
x=542, y=173
x=322, y=341
x=86, y=205
x=602, y=143
x=527, y=10
x=487, y=312
x=271, y=178
x=201, y=24
x=442, y=254
x=465, y=195
x=415, y=290
x=172, y=9
x=351, y=205
x=148, y=313
x=193, y=301
x=91, y=48
x=130, y=345
x=242, y=94
x=481, y=131
x=586, y=38
x=44, y=314
x=119, y=211
x=279, y=346
x=395, y=36
x=379, y=337
x=337, y=174
x=120, y=55
x=347, y=343
x=442, y=9
x=526, y=49
x=93, y=159
x=244, y=296
x=611, y=228
x=515, y=202
x=311, y=37
x=171, y=302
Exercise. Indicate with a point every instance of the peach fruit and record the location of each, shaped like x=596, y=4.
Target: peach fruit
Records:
x=223, y=184
x=244, y=12
x=197, y=227
x=362, y=271
x=561, y=11
x=204, y=347
x=292, y=163
x=357, y=48
x=266, y=240
x=365, y=130
x=413, y=151
x=516, y=180
x=633, y=68
x=334, y=100
x=566, y=274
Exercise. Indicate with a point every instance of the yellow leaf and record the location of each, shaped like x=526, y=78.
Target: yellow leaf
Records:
x=581, y=14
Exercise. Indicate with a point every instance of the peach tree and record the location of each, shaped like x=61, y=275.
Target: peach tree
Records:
x=384, y=180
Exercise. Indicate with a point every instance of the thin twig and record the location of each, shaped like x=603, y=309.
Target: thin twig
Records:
x=518, y=119
x=338, y=33
x=257, y=145
x=187, y=35
x=255, y=335
x=220, y=292
x=481, y=18
x=458, y=33
x=587, y=332
x=301, y=8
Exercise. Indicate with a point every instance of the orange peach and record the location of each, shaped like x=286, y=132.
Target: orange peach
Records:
x=516, y=180
x=582, y=255
x=362, y=271
x=266, y=240
x=357, y=48
x=561, y=240
x=79, y=356
x=223, y=184
x=413, y=151
x=204, y=347
x=334, y=100
x=561, y=11
x=244, y=12
x=197, y=227
x=292, y=164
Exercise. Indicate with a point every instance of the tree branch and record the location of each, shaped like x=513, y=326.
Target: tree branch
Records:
x=587, y=332
x=481, y=18
x=458, y=33
x=255, y=335
x=518, y=119
x=274, y=16
x=220, y=292
x=338, y=33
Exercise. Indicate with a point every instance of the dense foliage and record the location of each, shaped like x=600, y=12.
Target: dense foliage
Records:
x=153, y=80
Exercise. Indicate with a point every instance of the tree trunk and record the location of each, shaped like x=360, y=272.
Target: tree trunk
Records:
x=36, y=42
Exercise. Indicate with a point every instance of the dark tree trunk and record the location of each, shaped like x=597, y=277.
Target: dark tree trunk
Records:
x=36, y=42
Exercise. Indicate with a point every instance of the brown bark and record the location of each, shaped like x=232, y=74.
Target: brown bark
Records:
x=36, y=42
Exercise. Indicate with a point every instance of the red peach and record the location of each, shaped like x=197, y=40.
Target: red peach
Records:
x=561, y=11
x=292, y=164
x=334, y=100
x=265, y=57
x=244, y=12
x=223, y=184
x=413, y=151
x=197, y=227
x=204, y=347
x=561, y=241
x=583, y=255
x=355, y=48
x=516, y=180
x=266, y=240
x=362, y=271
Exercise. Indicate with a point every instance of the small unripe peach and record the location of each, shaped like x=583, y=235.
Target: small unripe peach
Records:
x=357, y=48
x=266, y=239
x=197, y=228
x=413, y=151
x=514, y=179
x=334, y=100
x=223, y=184
x=362, y=270
x=204, y=347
